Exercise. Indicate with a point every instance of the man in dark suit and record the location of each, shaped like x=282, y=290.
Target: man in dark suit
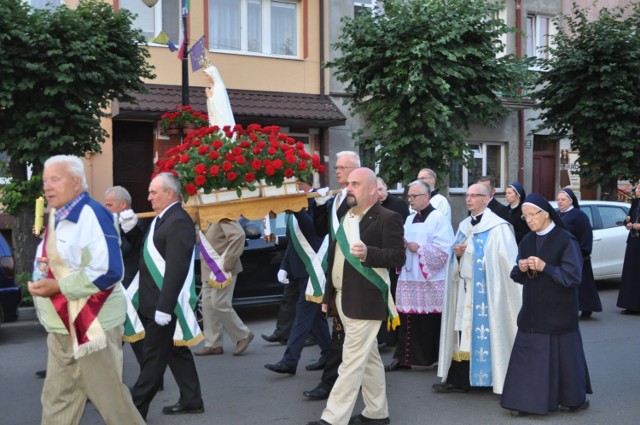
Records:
x=369, y=241
x=170, y=240
x=496, y=207
x=132, y=232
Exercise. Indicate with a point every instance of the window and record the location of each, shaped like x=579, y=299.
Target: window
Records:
x=44, y=4
x=365, y=6
x=489, y=159
x=165, y=16
x=539, y=33
x=267, y=27
x=612, y=216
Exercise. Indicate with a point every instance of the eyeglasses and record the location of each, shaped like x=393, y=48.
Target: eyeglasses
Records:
x=474, y=195
x=412, y=197
x=341, y=168
x=526, y=216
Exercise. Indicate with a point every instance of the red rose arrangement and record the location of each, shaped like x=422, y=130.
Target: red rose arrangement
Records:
x=234, y=158
x=181, y=116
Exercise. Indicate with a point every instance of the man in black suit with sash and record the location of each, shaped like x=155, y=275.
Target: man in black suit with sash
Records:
x=170, y=241
x=369, y=241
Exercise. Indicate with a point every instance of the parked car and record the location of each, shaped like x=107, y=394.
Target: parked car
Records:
x=258, y=283
x=609, y=236
x=10, y=290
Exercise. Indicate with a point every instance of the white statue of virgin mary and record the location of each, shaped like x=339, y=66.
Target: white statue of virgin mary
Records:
x=218, y=105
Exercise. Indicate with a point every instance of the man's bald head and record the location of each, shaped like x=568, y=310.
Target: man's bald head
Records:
x=361, y=189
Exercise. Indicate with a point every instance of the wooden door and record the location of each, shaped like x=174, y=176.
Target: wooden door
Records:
x=545, y=168
x=133, y=160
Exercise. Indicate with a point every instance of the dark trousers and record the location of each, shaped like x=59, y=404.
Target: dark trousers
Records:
x=158, y=352
x=334, y=356
x=308, y=318
x=287, y=311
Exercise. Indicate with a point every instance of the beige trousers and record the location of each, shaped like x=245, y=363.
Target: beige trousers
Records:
x=361, y=366
x=97, y=376
x=218, y=315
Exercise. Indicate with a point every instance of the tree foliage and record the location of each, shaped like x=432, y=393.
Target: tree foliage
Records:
x=590, y=92
x=420, y=73
x=60, y=69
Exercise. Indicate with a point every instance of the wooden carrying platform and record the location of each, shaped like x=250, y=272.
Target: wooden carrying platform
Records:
x=251, y=209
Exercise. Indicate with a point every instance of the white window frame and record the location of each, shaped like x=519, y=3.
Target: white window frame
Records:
x=157, y=21
x=265, y=17
x=539, y=32
x=369, y=4
x=481, y=153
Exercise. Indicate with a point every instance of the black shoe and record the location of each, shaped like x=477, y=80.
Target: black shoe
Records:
x=360, y=419
x=318, y=393
x=583, y=406
x=630, y=312
x=395, y=365
x=585, y=315
x=448, y=388
x=179, y=409
x=41, y=374
x=310, y=341
x=272, y=338
x=281, y=367
x=319, y=365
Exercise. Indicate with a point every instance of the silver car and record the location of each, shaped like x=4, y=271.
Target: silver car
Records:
x=609, y=236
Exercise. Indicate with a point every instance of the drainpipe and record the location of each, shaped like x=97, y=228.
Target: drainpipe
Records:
x=521, y=130
x=322, y=82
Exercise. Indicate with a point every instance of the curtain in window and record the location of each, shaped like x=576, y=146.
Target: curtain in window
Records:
x=283, y=29
x=225, y=24
x=254, y=27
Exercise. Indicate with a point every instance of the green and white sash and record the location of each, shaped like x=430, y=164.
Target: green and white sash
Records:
x=317, y=278
x=133, y=328
x=187, y=331
x=312, y=261
x=379, y=276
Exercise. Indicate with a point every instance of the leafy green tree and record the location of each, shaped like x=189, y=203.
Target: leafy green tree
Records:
x=590, y=92
x=60, y=70
x=420, y=73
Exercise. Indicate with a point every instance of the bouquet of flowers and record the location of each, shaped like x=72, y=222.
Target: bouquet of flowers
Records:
x=234, y=158
x=182, y=116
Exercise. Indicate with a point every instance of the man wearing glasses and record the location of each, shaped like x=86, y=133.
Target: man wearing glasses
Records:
x=438, y=200
x=481, y=302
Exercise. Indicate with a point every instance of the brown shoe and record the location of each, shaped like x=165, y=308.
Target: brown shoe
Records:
x=207, y=351
x=243, y=344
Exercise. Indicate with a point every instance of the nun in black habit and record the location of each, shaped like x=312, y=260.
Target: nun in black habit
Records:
x=579, y=225
x=547, y=368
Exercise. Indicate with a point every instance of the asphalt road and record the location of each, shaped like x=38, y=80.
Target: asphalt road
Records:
x=240, y=391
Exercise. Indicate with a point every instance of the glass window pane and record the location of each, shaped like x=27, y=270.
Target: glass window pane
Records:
x=530, y=37
x=494, y=164
x=254, y=26
x=145, y=19
x=455, y=176
x=171, y=17
x=611, y=216
x=476, y=172
x=44, y=4
x=225, y=24
x=283, y=29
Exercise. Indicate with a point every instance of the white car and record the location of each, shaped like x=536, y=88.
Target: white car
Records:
x=609, y=236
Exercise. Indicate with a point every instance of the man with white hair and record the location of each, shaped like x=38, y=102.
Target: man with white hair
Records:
x=80, y=302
